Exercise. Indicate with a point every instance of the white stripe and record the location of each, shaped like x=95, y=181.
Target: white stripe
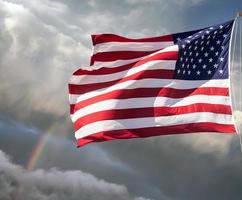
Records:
x=151, y=83
x=151, y=65
x=130, y=46
x=118, y=63
x=112, y=104
x=121, y=124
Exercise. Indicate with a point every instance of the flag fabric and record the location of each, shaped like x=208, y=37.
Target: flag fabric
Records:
x=171, y=84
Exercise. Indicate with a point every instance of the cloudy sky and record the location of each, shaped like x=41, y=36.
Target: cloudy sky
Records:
x=41, y=43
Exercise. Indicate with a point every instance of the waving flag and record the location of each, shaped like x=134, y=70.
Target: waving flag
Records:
x=170, y=84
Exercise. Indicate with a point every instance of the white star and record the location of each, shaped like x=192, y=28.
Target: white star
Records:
x=212, y=48
x=210, y=60
x=197, y=54
x=183, y=46
x=207, y=32
x=191, y=59
x=202, y=36
x=190, y=53
x=216, y=53
x=222, y=47
x=178, y=39
x=200, y=60
x=221, y=59
x=206, y=54
x=207, y=42
x=186, y=59
x=189, y=72
x=204, y=66
x=195, y=48
x=218, y=41
x=208, y=37
x=185, y=52
x=215, y=65
x=190, y=47
x=215, y=32
x=201, y=42
x=211, y=28
x=178, y=71
x=200, y=31
x=184, y=71
x=183, y=65
x=187, y=66
x=196, y=36
x=209, y=71
x=194, y=66
x=196, y=41
x=198, y=72
x=220, y=71
x=224, y=35
x=188, y=41
x=221, y=26
x=190, y=36
x=181, y=59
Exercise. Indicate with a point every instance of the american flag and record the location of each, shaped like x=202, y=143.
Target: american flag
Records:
x=171, y=84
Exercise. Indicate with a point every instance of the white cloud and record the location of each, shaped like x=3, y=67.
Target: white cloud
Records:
x=36, y=62
x=217, y=144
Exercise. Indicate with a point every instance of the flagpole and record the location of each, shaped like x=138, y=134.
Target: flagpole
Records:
x=239, y=14
x=231, y=64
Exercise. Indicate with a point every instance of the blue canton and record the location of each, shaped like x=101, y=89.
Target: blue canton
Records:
x=203, y=54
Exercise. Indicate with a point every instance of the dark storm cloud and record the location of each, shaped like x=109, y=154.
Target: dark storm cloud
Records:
x=18, y=140
x=186, y=167
x=154, y=168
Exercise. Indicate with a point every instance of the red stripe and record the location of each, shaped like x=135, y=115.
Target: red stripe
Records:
x=102, y=38
x=156, y=131
x=156, y=73
x=149, y=92
x=119, y=55
x=126, y=55
x=149, y=112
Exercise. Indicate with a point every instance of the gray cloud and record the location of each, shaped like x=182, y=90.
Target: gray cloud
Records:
x=55, y=184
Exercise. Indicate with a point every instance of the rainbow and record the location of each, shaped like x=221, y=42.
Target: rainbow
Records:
x=38, y=149
x=36, y=154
